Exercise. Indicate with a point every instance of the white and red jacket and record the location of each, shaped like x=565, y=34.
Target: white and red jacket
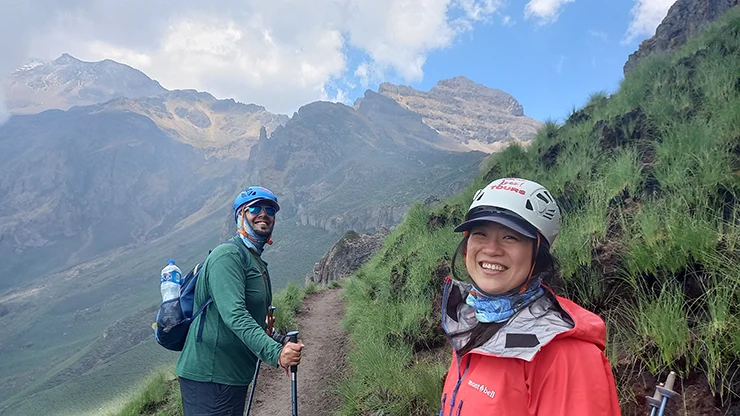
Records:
x=547, y=360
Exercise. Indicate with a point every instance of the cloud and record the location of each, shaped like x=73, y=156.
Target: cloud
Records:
x=559, y=65
x=547, y=11
x=598, y=34
x=506, y=21
x=279, y=54
x=646, y=16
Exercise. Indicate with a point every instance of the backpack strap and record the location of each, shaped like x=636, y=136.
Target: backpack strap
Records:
x=244, y=258
x=202, y=309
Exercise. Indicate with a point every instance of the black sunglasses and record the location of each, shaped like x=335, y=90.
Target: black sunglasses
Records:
x=256, y=209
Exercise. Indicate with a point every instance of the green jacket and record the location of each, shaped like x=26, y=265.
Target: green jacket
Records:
x=234, y=328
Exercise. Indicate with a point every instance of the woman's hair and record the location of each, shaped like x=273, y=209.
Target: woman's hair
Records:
x=546, y=270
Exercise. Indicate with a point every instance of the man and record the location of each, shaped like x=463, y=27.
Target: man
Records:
x=220, y=354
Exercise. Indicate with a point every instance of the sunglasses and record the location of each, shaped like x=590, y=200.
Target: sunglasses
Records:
x=256, y=209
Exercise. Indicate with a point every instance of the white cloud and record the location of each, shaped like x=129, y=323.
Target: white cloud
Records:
x=138, y=60
x=506, y=21
x=280, y=54
x=646, y=16
x=547, y=11
x=598, y=34
x=559, y=65
x=479, y=10
x=362, y=73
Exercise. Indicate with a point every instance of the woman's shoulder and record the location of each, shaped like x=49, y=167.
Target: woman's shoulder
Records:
x=587, y=326
x=575, y=310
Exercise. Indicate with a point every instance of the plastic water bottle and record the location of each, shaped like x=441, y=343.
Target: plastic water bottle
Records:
x=171, y=279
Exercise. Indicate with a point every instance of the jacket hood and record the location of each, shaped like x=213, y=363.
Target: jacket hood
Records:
x=547, y=318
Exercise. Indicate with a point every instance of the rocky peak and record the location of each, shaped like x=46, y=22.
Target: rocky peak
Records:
x=66, y=59
x=684, y=19
x=68, y=81
x=477, y=117
x=461, y=88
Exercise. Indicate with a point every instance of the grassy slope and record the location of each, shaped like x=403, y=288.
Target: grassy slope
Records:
x=648, y=180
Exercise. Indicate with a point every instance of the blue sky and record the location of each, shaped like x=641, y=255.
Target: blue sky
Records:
x=548, y=68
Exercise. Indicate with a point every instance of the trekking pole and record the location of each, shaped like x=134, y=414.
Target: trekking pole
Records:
x=663, y=392
x=667, y=391
x=270, y=310
x=654, y=401
x=293, y=336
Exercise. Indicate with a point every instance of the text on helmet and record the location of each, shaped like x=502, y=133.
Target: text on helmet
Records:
x=509, y=185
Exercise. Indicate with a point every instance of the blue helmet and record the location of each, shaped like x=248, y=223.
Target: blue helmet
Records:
x=254, y=193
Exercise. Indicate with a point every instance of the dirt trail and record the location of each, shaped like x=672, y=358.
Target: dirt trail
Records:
x=322, y=364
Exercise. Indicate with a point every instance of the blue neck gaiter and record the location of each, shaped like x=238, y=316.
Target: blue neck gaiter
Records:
x=499, y=308
x=256, y=242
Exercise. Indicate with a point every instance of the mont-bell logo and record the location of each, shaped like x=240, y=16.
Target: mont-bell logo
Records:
x=481, y=388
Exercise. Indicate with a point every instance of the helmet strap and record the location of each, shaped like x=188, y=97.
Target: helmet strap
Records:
x=525, y=285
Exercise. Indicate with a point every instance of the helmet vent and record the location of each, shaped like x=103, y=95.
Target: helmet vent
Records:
x=549, y=214
x=528, y=205
x=543, y=198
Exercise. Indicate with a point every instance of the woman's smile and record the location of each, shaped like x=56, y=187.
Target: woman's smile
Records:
x=498, y=258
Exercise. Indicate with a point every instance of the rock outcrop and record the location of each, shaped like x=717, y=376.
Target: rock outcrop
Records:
x=684, y=19
x=346, y=256
x=475, y=116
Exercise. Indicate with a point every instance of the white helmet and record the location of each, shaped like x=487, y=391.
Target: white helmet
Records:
x=519, y=204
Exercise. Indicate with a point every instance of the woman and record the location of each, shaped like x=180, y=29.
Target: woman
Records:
x=518, y=348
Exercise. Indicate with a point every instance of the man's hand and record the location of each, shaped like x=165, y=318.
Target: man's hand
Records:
x=290, y=354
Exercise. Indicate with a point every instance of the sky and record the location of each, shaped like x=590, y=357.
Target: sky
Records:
x=282, y=54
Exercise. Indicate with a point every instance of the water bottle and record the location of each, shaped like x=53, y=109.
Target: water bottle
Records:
x=171, y=279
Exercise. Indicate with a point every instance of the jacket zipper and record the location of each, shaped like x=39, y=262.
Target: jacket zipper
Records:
x=457, y=386
x=459, y=408
x=442, y=409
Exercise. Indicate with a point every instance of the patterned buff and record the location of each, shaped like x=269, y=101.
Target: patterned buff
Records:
x=489, y=309
x=253, y=241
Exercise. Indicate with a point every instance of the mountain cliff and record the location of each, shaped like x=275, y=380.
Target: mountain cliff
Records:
x=225, y=127
x=342, y=168
x=75, y=184
x=474, y=116
x=684, y=19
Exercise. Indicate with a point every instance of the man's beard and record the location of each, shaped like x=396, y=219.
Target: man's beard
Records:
x=263, y=233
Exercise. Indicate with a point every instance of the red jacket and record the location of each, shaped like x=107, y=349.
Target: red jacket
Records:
x=548, y=360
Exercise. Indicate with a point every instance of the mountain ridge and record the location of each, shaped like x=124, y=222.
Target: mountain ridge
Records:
x=475, y=116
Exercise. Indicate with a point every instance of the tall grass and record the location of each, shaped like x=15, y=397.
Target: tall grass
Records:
x=159, y=395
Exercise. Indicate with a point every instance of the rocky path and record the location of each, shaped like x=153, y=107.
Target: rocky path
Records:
x=322, y=364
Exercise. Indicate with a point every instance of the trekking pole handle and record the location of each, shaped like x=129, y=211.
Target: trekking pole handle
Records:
x=667, y=391
x=293, y=337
